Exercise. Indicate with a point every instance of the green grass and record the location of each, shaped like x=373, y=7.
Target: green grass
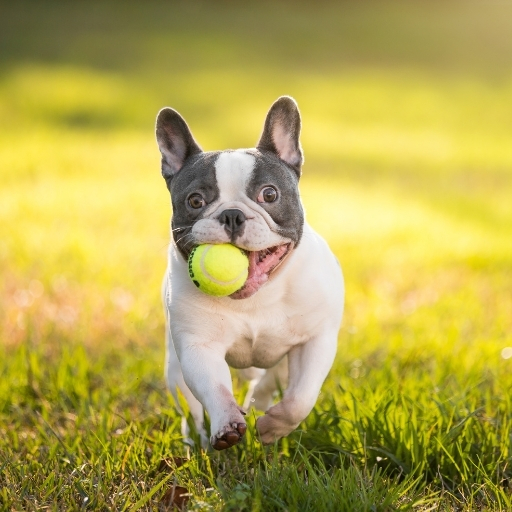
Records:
x=407, y=114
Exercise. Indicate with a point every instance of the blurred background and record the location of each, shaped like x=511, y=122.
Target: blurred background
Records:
x=407, y=134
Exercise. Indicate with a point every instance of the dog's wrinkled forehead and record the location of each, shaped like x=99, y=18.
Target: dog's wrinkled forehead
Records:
x=233, y=170
x=242, y=173
x=230, y=176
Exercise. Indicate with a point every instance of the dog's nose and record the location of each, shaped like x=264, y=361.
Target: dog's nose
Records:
x=233, y=221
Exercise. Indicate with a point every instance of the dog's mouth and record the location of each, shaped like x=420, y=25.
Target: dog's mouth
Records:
x=261, y=265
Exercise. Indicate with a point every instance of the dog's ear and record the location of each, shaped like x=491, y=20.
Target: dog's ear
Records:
x=175, y=141
x=281, y=133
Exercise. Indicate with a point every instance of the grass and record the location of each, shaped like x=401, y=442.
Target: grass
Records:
x=406, y=133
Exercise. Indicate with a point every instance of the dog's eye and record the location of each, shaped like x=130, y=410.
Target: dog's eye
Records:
x=196, y=201
x=267, y=195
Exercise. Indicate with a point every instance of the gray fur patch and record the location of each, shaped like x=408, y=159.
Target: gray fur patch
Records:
x=287, y=210
x=196, y=176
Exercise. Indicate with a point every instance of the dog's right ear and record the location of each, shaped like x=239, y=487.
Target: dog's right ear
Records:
x=175, y=141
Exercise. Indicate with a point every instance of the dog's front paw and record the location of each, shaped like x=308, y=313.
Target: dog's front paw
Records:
x=275, y=424
x=228, y=436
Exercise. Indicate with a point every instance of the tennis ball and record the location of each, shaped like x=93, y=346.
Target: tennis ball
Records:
x=218, y=269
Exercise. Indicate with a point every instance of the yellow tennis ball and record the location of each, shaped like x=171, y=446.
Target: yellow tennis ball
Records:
x=218, y=269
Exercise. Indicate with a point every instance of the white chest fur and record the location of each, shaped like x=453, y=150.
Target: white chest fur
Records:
x=304, y=298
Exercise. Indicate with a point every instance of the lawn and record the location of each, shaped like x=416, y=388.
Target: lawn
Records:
x=407, y=130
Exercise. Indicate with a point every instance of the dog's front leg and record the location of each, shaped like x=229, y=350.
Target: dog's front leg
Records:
x=308, y=366
x=206, y=373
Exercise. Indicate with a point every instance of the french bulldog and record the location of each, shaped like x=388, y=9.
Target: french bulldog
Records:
x=281, y=328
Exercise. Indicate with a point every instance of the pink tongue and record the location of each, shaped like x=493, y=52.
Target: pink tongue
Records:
x=258, y=272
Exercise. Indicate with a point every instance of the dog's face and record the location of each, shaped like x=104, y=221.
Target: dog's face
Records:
x=247, y=197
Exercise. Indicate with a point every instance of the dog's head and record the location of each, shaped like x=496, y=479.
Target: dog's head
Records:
x=246, y=197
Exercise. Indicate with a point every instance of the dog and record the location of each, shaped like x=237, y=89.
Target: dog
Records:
x=281, y=328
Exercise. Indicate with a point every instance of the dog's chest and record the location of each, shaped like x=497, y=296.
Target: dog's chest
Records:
x=263, y=342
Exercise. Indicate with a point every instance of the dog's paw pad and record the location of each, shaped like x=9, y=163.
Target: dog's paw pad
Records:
x=231, y=437
x=221, y=444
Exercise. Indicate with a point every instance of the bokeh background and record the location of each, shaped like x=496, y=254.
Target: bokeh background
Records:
x=407, y=130
x=407, y=134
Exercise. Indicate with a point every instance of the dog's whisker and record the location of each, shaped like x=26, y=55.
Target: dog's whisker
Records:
x=184, y=238
x=181, y=228
x=189, y=234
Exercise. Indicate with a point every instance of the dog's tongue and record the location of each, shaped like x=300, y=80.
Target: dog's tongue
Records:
x=261, y=263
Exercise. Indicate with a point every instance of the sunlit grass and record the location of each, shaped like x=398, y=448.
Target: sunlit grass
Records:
x=408, y=175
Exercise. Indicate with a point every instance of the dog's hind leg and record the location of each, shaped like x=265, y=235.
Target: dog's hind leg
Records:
x=254, y=376
x=309, y=365
x=263, y=389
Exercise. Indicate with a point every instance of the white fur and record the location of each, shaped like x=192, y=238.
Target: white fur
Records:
x=295, y=316
x=233, y=170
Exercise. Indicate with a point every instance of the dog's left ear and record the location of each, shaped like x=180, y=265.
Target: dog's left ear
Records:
x=281, y=133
